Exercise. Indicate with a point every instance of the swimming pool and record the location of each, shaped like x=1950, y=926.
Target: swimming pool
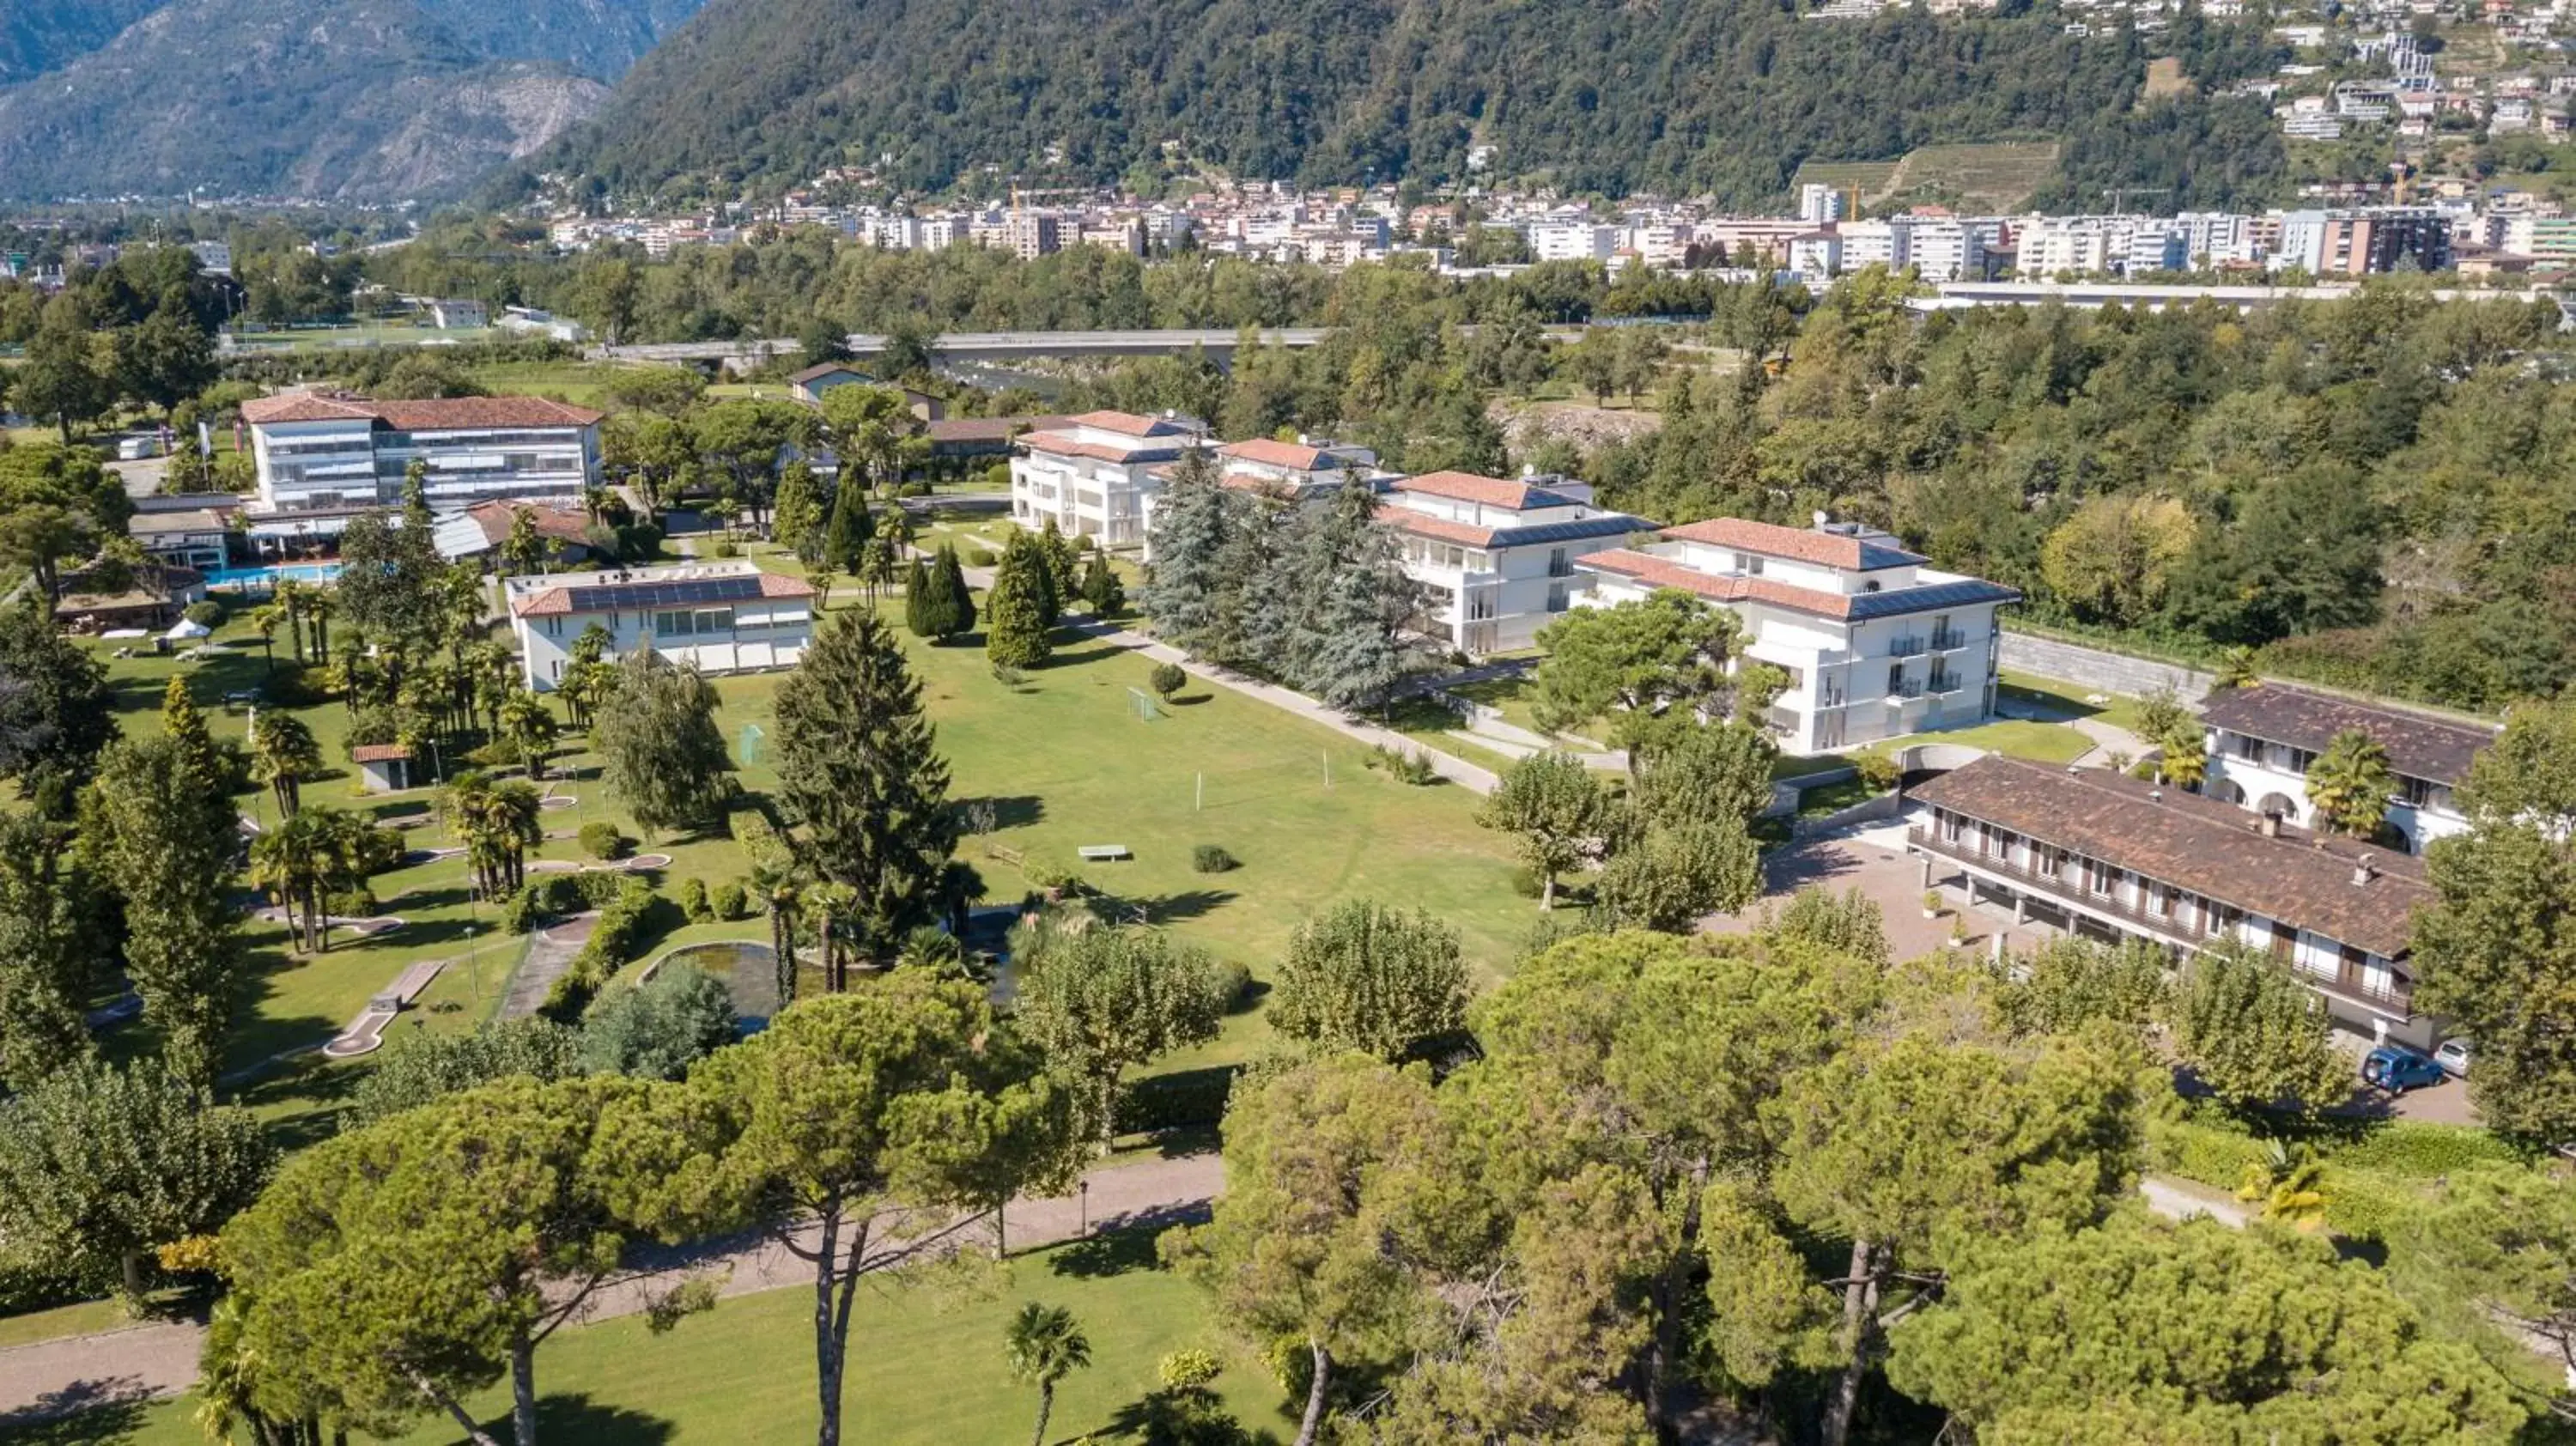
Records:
x=266, y=579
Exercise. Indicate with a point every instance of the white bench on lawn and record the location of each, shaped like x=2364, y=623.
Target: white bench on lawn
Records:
x=1102, y=853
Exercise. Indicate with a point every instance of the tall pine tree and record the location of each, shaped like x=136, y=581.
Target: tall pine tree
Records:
x=166, y=843
x=1351, y=653
x=916, y=601
x=859, y=769
x=1063, y=574
x=948, y=606
x=1185, y=585
x=845, y=545
x=1015, y=620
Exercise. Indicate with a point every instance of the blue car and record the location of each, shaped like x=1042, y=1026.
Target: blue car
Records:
x=2397, y=1070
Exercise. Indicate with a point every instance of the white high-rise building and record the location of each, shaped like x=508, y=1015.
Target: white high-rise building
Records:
x=1874, y=243
x=1820, y=204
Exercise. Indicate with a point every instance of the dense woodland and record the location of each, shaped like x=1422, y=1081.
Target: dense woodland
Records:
x=1718, y=96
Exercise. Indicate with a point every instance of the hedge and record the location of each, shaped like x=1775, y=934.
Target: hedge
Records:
x=1175, y=1101
x=612, y=942
x=552, y=896
x=758, y=836
x=2414, y=1149
x=2208, y=1154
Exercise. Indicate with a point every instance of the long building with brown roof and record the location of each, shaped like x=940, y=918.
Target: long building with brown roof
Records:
x=2109, y=856
x=332, y=453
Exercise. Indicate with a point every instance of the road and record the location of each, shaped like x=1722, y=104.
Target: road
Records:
x=998, y=345
x=55, y=1378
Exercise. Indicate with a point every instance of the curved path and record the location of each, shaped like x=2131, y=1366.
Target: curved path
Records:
x=551, y=951
x=54, y=1378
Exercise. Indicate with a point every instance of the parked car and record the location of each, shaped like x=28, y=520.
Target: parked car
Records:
x=2453, y=1057
x=2398, y=1070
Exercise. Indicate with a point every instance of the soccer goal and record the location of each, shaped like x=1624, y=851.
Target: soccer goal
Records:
x=1142, y=704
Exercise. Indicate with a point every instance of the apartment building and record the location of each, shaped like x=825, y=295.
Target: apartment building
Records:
x=2109, y=857
x=2363, y=242
x=1572, y=241
x=1306, y=470
x=1820, y=204
x=1876, y=644
x=1094, y=475
x=1875, y=243
x=2263, y=738
x=332, y=452
x=719, y=617
x=1497, y=559
x=1947, y=250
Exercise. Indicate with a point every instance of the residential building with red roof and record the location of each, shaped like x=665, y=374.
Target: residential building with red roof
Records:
x=333, y=453
x=720, y=617
x=1497, y=557
x=1094, y=475
x=1876, y=643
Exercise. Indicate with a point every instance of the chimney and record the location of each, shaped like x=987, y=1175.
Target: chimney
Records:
x=1821, y=518
x=2270, y=825
x=2364, y=871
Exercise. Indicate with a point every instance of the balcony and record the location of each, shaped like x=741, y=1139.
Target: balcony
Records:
x=1905, y=692
x=2348, y=981
x=1904, y=648
x=1949, y=640
x=1831, y=697
x=1945, y=683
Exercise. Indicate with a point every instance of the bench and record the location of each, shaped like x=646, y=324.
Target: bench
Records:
x=1102, y=853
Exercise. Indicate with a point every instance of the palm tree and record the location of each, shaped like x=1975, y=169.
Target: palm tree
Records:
x=288, y=599
x=497, y=824
x=2288, y=1188
x=305, y=860
x=1045, y=1346
x=268, y=618
x=283, y=755
x=2349, y=784
x=2235, y=669
x=832, y=904
x=528, y=728
x=317, y=607
x=779, y=887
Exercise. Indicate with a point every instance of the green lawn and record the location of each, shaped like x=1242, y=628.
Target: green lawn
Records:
x=2071, y=699
x=2039, y=742
x=925, y=1365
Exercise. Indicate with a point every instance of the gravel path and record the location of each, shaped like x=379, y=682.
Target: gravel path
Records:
x=550, y=952
x=55, y=1378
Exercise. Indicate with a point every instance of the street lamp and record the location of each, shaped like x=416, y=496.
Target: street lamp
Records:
x=1085, y=1190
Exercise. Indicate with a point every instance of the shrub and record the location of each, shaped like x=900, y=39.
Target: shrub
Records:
x=729, y=901
x=612, y=944
x=1008, y=676
x=721, y=547
x=2414, y=1149
x=1413, y=767
x=1174, y=1101
x=1878, y=771
x=1053, y=877
x=758, y=836
x=1167, y=679
x=1527, y=883
x=1211, y=859
x=1187, y=1368
x=2205, y=1153
x=693, y=900
x=378, y=849
x=601, y=840
x=1232, y=979
x=519, y=912
x=351, y=904
x=980, y=557
x=2362, y=1205
x=204, y=614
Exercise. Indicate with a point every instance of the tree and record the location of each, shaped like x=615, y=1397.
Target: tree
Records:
x=62, y=377
x=101, y=1165
x=2496, y=953
x=1063, y=572
x=1350, y=650
x=1669, y=877
x=40, y=537
x=947, y=605
x=1667, y=653
x=660, y=752
x=2494, y=1265
x=397, y=1269
x=283, y=754
x=741, y=440
x=2255, y=1035
x=1299, y=1245
x=1360, y=976
x=916, y=599
x=309, y=857
x=1913, y=1146
x=2349, y=784
x=163, y=360
x=184, y=724
x=423, y=1069
x=859, y=768
x=2110, y=560
x=1845, y=923
x=1558, y=810
x=388, y=583
x=1098, y=1001
x=528, y=728
x=53, y=955
x=856, y=1125
x=659, y=1028
x=57, y=710
x=1045, y=1346
x=1101, y=588
x=845, y=545
x=1186, y=592
x=2069, y=983
x=871, y=427
x=1015, y=611
x=2140, y=1330
x=524, y=550
x=166, y=845
x=498, y=823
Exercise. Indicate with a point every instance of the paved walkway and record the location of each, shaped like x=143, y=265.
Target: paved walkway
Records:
x=551, y=951
x=57, y=1377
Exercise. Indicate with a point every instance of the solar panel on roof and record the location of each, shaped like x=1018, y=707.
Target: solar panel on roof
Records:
x=1938, y=595
x=665, y=594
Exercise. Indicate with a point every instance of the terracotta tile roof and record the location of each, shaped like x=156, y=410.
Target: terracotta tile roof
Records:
x=1066, y=444
x=1656, y=571
x=989, y=429
x=378, y=752
x=497, y=518
x=433, y=415
x=1131, y=425
x=1484, y=491
x=2419, y=745
x=2213, y=849
x=1826, y=549
x=1291, y=455
x=594, y=592
x=1440, y=529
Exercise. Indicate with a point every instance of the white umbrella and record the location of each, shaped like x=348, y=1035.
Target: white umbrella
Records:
x=185, y=629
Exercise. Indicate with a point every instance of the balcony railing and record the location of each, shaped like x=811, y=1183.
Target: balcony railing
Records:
x=1833, y=697
x=1947, y=639
x=2348, y=980
x=1945, y=683
x=1905, y=648
x=1905, y=692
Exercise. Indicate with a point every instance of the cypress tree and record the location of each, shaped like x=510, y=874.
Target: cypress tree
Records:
x=1016, y=612
x=858, y=766
x=953, y=602
x=916, y=600
x=845, y=545
x=1063, y=573
x=186, y=726
x=1102, y=589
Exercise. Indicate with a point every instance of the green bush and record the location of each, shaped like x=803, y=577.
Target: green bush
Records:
x=520, y=912
x=693, y=900
x=1167, y=679
x=1187, y=1367
x=601, y=840
x=1211, y=859
x=2416, y=1150
x=1232, y=980
x=1878, y=771
x=1053, y=877
x=729, y=901
x=1527, y=883
x=721, y=547
x=1172, y=1102
x=613, y=941
x=2365, y=1205
x=2205, y=1153
x=351, y=904
x=204, y=614
x=980, y=557
x=758, y=836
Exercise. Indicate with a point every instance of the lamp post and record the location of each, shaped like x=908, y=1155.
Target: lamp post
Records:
x=1085, y=1191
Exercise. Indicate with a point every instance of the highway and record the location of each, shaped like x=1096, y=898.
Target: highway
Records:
x=959, y=346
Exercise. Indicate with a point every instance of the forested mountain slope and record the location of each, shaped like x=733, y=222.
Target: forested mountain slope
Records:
x=354, y=100
x=1687, y=95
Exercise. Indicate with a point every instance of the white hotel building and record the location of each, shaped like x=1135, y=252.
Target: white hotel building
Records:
x=721, y=617
x=1095, y=475
x=1497, y=559
x=327, y=452
x=1875, y=643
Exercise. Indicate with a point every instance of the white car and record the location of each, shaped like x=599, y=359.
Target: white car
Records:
x=2453, y=1057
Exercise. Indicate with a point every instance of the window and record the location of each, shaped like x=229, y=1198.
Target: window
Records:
x=1746, y=562
x=1869, y=585
x=703, y=622
x=1895, y=679
x=2417, y=791
x=1556, y=599
x=554, y=627
x=556, y=668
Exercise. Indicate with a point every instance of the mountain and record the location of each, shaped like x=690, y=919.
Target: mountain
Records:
x=355, y=100
x=1721, y=96
x=39, y=35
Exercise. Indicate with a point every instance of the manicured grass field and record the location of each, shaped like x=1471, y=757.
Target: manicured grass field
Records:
x=926, y=1365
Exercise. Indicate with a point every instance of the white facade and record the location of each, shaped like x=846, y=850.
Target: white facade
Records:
x=1820, y=204
x=1875, y=643
x=318, y=452
x=720, y=617
x=1946, y=250
x=1572, y=241
x=1095, y=476
x=1875, y=243
x=1495, y=558
x=2262, y=739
